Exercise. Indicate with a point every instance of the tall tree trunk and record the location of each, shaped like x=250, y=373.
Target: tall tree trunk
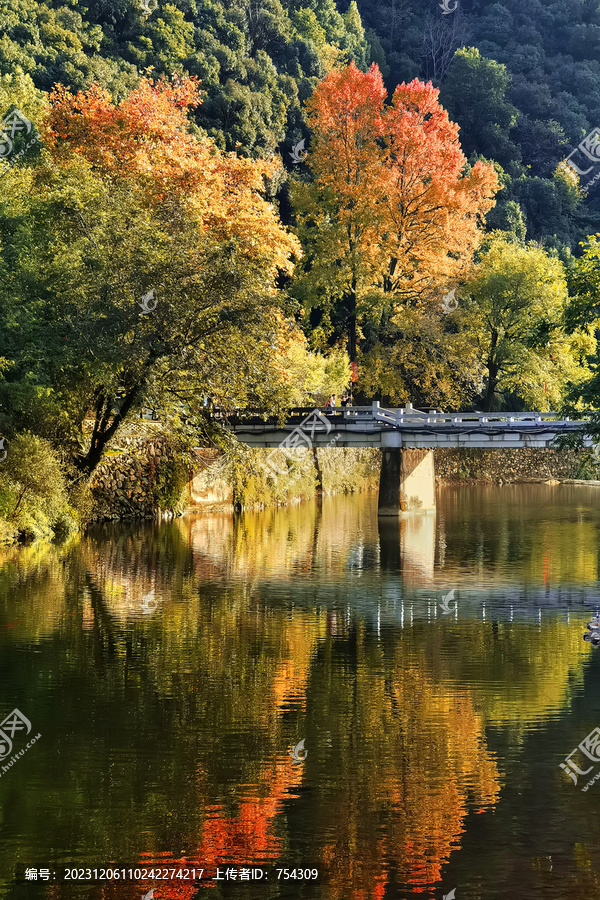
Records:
x=492, y=383
x=493, y=369
x=106, y=422
x=105, y=426
x=490, y=390
x=352, y=322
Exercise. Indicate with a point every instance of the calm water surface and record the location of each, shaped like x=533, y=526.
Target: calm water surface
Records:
x=170, y=671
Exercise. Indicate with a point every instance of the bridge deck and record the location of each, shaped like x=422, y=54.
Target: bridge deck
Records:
x=374, y=426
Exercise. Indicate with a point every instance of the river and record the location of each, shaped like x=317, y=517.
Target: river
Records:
x=329, y=708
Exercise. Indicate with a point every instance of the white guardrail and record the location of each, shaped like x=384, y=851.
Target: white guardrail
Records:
x=410, y=416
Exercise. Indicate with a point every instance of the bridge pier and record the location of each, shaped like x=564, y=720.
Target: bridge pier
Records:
x=407, y=481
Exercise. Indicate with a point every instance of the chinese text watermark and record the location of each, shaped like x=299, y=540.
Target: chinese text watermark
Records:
x=589, y=748
x=589, y=148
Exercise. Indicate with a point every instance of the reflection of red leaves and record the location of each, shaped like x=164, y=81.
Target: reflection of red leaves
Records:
x=248, y=836
x=376, y=894
x=242, y=840
x=418, y=804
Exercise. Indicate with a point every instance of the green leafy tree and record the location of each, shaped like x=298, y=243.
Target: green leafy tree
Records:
x=584, y=312
x=33, y=493
x=127, y=205
x=515, y=306
x=475, y=95
x=425, y=358
x=49, y=44
x=354, y=41
x=169, y=40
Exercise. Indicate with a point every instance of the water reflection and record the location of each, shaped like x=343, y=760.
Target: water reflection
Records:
x=166, y=733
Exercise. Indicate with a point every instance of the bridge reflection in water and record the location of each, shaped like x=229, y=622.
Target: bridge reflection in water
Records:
x=433, y=738
x=507, y=552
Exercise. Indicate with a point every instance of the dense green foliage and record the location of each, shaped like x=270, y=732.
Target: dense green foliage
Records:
x=33, y=493
x=525, y=97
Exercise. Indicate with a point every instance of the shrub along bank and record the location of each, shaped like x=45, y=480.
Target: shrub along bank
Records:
x=34, y=500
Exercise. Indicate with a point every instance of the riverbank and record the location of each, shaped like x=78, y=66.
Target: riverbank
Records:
x=150, y=474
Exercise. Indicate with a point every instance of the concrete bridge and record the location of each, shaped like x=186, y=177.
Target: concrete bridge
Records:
x=407, y=437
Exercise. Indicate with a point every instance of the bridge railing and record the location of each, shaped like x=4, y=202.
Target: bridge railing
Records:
x=376, y=415
x=408, y=417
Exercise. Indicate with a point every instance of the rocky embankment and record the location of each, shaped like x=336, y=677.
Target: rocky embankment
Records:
x=147, y=476
x=512, y=466
x=143, y=478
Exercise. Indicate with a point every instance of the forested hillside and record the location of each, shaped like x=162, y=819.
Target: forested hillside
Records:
x=524, y=96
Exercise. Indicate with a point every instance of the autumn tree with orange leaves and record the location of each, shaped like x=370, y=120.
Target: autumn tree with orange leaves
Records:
x=128, y=203
x=392, y=213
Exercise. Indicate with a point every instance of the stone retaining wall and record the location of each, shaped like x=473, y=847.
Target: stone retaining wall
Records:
x=143, y=479
x=502, y=466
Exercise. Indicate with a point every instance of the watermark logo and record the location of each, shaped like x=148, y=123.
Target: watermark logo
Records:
x=451, y=895
x=298, y=153
x=12, y=725
x=3, y=451
x=447, y=8
x=298, y=749
x=300, y=439
x=149, y=6
x=149, y=604
x=450, y=303
x=12, y=125
x=149, y=895
x=589, y=148
x=590, y=748
x=445, y=604
x=149, y=303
